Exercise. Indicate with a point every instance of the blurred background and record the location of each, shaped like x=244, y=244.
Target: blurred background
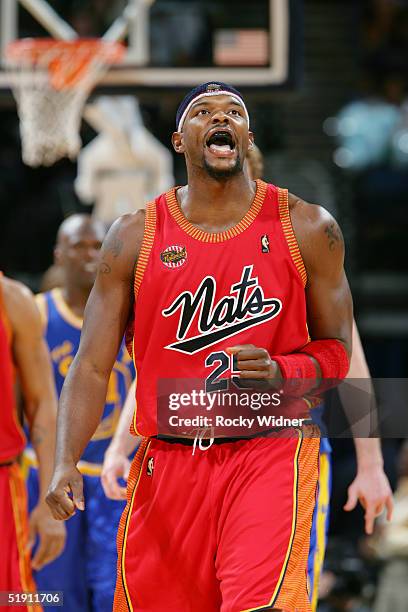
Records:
x=332, y=127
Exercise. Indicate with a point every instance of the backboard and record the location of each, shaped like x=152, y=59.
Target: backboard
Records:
x=174, y=43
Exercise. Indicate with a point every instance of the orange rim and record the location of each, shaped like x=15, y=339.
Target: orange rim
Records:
x=68, y=62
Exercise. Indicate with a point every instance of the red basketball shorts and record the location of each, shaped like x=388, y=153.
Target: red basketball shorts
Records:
x=15, y=568
x=226, y=529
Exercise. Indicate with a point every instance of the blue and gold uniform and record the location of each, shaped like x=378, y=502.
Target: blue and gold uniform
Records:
x=321, y=515
x=86, y=571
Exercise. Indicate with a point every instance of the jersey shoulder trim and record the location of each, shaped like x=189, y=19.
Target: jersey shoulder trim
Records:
x=42, y=306
x=289, y=234
x=147, y=244
x=146, y=247
x=64, y=310
x=3, y=314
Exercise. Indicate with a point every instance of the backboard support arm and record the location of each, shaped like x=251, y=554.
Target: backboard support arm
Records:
x=49, y=19
x=8, y=24
x=135, y=22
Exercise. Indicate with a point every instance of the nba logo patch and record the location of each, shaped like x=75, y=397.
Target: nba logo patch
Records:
x=174, y=256
x=265, y=244
x=150, y=466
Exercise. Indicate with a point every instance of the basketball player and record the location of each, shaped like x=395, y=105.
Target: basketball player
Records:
x=370, y=486
x=23, y=352
x=85, y=572
x=225, y=529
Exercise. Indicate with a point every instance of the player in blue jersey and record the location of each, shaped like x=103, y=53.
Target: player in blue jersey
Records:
x=86, y=571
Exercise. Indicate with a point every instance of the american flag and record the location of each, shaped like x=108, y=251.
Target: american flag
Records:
x=241, y=47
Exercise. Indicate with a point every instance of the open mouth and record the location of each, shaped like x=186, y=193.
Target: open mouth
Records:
x=90, y=267
x=221, y=142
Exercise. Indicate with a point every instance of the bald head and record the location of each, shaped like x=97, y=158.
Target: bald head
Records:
x=78, y=224
x=78, y=244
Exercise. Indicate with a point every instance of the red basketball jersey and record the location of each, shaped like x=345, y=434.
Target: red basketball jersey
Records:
x=12, y=440
x=198, y=293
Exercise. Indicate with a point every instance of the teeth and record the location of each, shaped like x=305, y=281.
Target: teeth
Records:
x=90, y=267
x=220, y=148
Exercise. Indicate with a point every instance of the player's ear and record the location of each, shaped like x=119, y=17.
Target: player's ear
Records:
x=178, y=142
x=251, y=140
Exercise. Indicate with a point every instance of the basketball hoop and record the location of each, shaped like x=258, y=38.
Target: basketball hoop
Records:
x=51, y=80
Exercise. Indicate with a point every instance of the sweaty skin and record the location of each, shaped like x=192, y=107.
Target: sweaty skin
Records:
x=40, y=408
x=216, y=198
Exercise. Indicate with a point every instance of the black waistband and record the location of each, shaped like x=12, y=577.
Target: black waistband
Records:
x=206, y=441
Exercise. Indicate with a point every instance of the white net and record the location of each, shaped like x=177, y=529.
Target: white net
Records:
x=51, y=81
x=49, y=123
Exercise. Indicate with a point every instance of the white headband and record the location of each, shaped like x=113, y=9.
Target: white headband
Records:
x=206, y=95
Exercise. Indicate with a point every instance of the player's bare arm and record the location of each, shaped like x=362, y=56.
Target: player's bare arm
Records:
x=328, y=297
x=370, y=486
x=84, y=392
x=35, y=377
x=329, y=302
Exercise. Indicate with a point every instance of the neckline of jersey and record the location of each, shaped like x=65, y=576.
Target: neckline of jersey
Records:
x=65, y=311
x=215, y=237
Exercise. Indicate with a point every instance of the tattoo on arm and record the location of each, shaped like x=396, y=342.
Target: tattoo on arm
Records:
x=334, y=235
x=104, y=268
x=116, y=247
x=113, y=244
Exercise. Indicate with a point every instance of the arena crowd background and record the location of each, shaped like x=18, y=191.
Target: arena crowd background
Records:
x=338, y=137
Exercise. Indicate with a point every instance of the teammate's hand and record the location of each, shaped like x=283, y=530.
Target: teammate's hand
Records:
x=372, y=489
x=255, y=363
x=65, y=492
x=115, y=465
x=51, y=534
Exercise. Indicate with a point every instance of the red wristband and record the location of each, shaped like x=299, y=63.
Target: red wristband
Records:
x=331, y=356
x=299, y=369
